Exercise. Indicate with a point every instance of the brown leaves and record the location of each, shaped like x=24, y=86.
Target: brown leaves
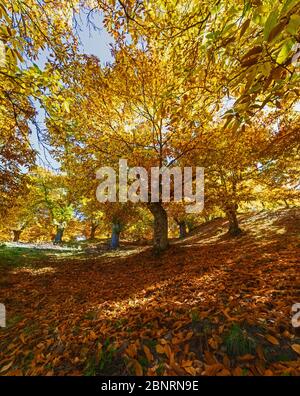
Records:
x=6, y=367
x=148, y=354
x=93, y=336
x=168, y=319
x=138, y=369
x=272, y=340
x=296, y=348
x=160, y=349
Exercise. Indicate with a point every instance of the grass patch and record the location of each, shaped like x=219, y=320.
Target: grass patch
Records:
x=11, y=322
x=238, y=342
x=105, y=362
x=11, y=256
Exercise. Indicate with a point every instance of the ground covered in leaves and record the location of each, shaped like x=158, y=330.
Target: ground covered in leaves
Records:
x=210, y=305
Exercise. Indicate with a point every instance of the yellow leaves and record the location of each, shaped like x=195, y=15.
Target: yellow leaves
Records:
x=4, y=13
x=270, y=23
x=272, y=340
x=296, y=348
x=2, y=54
x=294, y=24
x=285, y=50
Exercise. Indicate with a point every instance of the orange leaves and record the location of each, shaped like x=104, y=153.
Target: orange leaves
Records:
x=6, y=367
x=272, y=340
x=137, y=367
x=225, y=312
x=190, y=370
x=160, y=349
x=246, y=358
x=166, y=350
x=214, y=342
x=131, y=350
x=296, y=348
x=237, y=371
x=92, y=336
x=148, y=354
x=180, y=327
x=213, y=369
x=209, y=357
x=22, y=338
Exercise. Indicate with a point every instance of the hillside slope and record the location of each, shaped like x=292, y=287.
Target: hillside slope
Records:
x=210, y=305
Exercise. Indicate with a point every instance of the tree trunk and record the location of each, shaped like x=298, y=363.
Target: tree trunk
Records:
x=115, y=236
x=17, y=234
x=59, y=235
x=182, y=229
x=93, y=230
x=233, y=226
x=160, y=230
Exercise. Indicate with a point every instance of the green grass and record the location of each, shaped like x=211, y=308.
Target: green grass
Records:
x=12, y=321
x=18, y=256
x=195, y=316
x=103, y=363
x=238, y=342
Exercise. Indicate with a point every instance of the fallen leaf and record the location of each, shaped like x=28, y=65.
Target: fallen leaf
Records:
x=148, y=354
x=272, y=340
x=296, y=348
x=160, y=349
x=5, y=368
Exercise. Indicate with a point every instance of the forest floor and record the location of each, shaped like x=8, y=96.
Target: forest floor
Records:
x=210, y=305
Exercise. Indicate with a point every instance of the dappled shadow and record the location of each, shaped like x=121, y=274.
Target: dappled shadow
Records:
x=130, y=294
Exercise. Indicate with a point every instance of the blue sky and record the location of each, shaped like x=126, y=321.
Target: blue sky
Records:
x=93, y=42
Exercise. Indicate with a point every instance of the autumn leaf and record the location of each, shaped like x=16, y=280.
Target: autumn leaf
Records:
x=6, y=367
x=272, y=340
x=191, y=370
x=138, y=368
x=148, y=354
x=93, y=336
x=296, y=348
x=160, y=349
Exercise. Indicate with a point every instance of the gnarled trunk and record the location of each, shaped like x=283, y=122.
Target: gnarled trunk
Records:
x=59, y=235
x=160, y=230
x=233, y=225
x=17, y=234
x=115, y=236
x=182, y=229
x=93, y=230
